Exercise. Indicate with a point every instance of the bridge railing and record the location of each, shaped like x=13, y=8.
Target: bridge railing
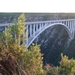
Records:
x=6, y=24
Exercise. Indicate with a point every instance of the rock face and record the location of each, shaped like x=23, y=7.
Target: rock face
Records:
x=52, y=43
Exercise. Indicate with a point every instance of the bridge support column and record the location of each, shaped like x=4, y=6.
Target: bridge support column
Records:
x=34, y=30
x=73, y=28
x=36, y=27
x=27, y=34
x=68, y=25
x=30, y=30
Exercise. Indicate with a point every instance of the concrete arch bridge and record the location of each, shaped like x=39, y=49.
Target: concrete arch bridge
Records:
x=33, y=29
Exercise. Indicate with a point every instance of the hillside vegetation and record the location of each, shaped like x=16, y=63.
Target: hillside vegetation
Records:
x=9, y=17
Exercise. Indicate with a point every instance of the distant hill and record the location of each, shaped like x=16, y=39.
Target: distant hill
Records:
x=9, y=17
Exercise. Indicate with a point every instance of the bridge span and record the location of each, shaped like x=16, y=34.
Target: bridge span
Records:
x=33, y=29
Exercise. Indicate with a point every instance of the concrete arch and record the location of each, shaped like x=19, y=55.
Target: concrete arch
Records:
x=47, y=26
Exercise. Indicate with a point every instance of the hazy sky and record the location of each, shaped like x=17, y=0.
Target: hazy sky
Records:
x=37, y=6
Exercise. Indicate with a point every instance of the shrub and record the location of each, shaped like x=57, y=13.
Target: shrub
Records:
x=15, y=58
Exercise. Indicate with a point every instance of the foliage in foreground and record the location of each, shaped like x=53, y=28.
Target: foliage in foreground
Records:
x=67, y=67
x=15, y=58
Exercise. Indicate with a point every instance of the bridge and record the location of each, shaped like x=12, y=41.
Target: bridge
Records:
x=33, y=29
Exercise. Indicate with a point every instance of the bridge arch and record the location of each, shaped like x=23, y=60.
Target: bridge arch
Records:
x=54, y=24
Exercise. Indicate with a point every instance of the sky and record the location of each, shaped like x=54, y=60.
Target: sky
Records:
x=45, y=6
